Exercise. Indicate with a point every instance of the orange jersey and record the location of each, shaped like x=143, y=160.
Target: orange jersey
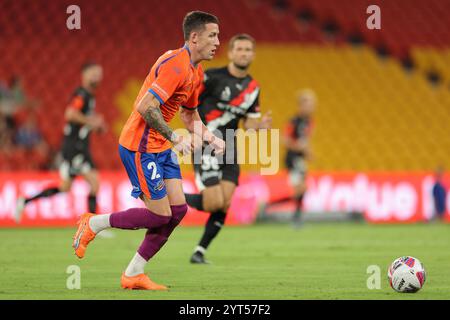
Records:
x=175, y=82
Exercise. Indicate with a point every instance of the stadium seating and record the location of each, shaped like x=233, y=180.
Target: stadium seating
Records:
x=372, y=115
x=430, y=59
x=405, y=24
x=124, y=39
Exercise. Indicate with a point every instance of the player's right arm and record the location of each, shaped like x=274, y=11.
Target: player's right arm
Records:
x=149, y=108
x=192, y=121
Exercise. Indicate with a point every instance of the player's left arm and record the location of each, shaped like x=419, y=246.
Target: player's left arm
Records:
x=264, y=122
x=189, y=114
x=191, y=118
x=192, y=121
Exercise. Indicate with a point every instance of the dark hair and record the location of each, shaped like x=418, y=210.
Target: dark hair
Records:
x=195, y=21
x=87, y=65
x=241, y=36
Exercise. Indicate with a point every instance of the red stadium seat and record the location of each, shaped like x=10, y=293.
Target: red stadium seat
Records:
x=126, y=41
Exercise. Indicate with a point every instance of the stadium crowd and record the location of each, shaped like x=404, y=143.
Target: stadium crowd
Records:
x=20, y=136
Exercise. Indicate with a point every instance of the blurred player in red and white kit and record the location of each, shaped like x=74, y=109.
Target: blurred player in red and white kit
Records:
x=229, y=95
x=81, y=119
x=145, y=148
x=296, y=138
x=297, y=141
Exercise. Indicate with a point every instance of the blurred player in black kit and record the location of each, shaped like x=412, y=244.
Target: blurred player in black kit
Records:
x=296, y=140
x=229, y=95
x=81, y=120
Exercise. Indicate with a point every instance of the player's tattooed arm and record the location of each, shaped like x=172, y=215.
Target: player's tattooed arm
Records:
x=149, y=109
x=155, y=120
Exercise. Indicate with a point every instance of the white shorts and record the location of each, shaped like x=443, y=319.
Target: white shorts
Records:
x=297, y=174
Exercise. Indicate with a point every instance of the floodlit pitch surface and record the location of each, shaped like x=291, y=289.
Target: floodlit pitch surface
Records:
x=318, y=261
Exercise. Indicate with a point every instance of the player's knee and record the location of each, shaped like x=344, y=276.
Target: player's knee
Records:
x=213, y=198
x=226, y=205
x=65, y=186
x=178, y=213
x=300, y=189
x=93, y=191
x=213, y=205
x=94, y=187
x=155, y=220
x=166, y=212
x=159, y=207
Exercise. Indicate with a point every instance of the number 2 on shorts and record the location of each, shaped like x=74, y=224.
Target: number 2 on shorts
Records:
x=152, y=166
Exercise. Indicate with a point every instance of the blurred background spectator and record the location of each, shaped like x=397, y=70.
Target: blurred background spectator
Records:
x=21, y=141
x=27, y=134
x=439, y=194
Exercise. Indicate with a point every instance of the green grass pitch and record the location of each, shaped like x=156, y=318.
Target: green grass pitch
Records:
x=318, y=261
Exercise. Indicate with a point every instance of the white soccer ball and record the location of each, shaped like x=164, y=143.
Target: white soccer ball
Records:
x=406, y=274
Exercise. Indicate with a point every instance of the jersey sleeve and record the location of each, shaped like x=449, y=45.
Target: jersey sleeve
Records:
x=289, y=130
x=254, y=110
x=76, y=102
x=169, y=76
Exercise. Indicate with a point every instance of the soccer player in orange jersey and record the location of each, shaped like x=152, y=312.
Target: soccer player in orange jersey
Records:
x=145, y=148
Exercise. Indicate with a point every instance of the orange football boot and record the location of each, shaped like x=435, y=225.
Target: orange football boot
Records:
x=140, y=282
x=84, y=235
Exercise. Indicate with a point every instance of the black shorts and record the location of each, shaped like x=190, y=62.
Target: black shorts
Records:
x=75, y=162
x=210, y=172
